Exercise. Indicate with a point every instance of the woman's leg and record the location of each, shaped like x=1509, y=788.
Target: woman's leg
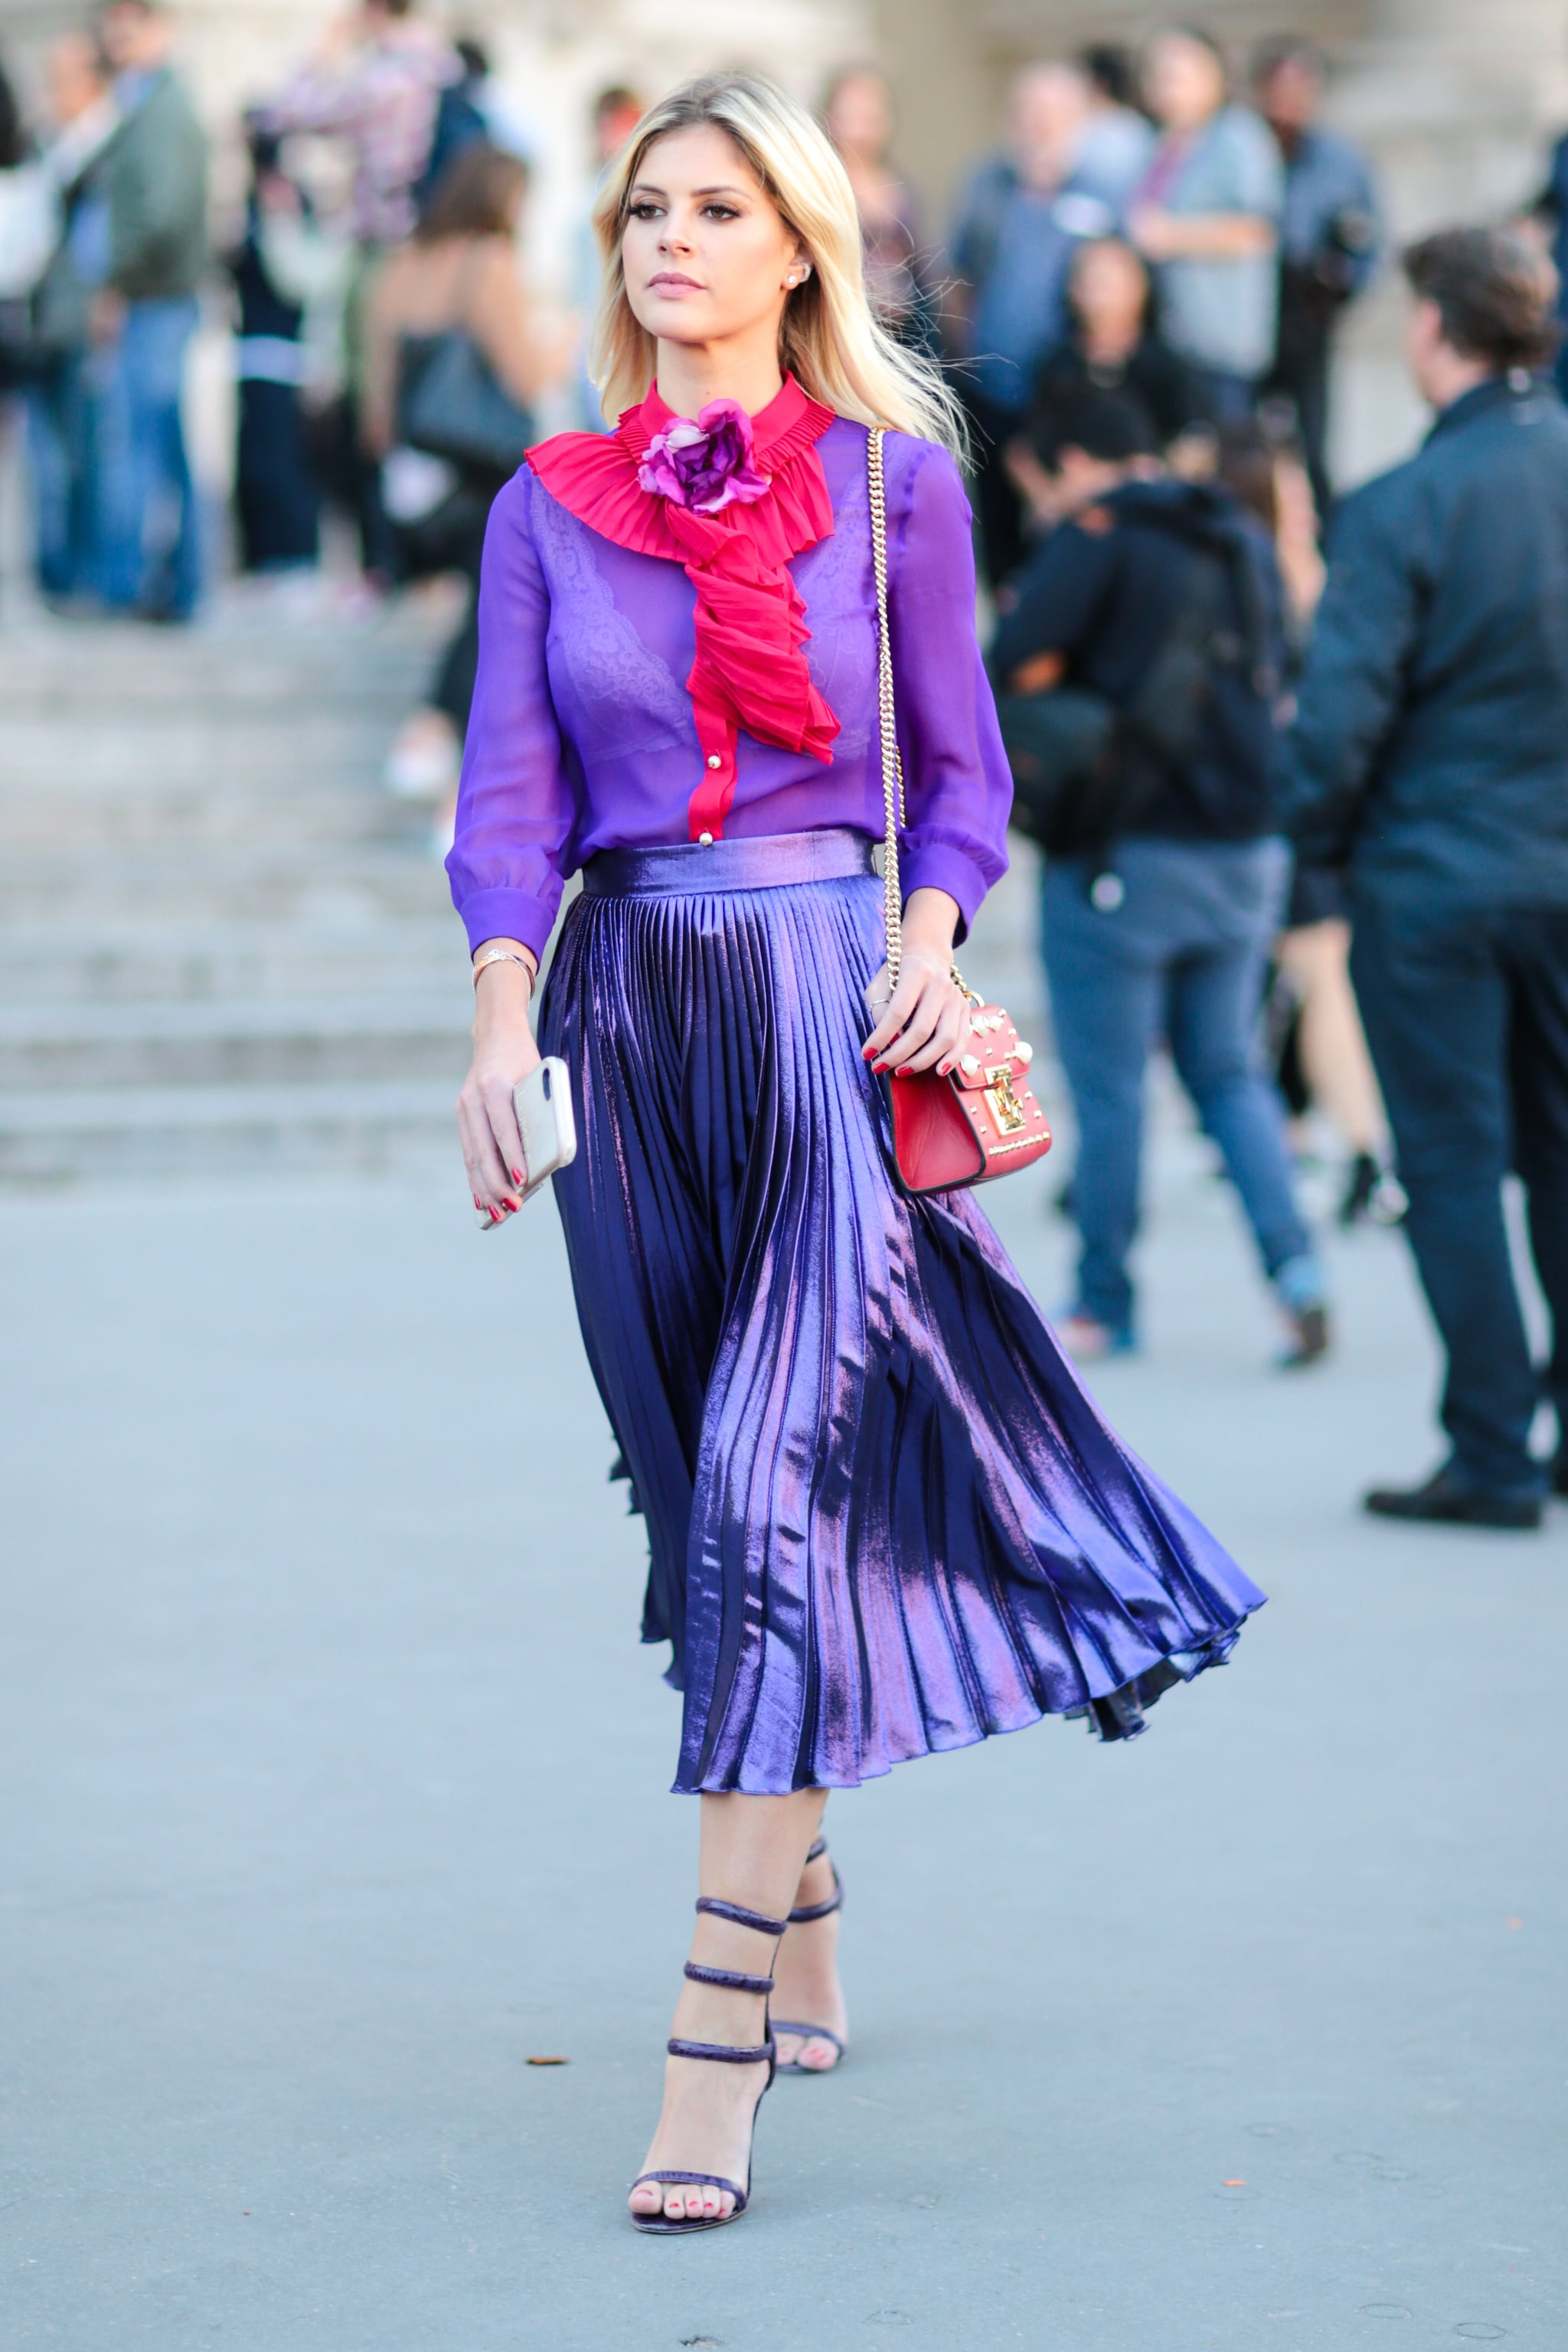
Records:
x=806, y=1973
x=1334, y=1058
x=753, y=1849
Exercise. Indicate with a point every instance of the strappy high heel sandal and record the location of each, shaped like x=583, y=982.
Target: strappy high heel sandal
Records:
x=658, y=2225
x=797, y=1917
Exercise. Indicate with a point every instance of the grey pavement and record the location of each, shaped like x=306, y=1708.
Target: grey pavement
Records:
x=334, y=1788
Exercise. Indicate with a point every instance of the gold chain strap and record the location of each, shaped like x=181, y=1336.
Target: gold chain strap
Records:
x=892, y=759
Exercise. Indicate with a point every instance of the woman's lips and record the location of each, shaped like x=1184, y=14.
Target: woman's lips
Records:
x=670, y=281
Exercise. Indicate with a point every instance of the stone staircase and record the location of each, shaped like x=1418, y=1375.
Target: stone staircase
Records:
x=222, y=947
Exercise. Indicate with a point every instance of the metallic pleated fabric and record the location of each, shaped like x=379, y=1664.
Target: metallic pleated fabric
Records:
x=883, y=1517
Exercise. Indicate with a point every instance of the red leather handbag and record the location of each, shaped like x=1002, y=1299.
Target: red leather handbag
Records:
x=982, y=1120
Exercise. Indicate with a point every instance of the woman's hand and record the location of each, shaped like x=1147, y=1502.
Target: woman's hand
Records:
x=926, y=1025
x=504, y=1053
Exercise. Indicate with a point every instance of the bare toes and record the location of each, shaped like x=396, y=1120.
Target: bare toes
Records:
x=820, y=2057
x=647, y=2197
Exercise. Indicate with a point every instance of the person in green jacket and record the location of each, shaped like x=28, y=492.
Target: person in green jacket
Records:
x=154, y=178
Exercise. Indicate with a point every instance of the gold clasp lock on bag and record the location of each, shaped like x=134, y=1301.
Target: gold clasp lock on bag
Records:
x=1006, y=1109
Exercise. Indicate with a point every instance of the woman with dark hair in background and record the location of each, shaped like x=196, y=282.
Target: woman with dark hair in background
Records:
x=858, y=113
x=1319, y=1048
x=458, y=274
x=1114, y=343
x=1112, y=348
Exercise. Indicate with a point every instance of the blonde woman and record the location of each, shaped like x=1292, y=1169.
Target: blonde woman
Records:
x=882, y=1518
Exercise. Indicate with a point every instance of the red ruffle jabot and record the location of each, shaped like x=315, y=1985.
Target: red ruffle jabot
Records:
x=749, y=670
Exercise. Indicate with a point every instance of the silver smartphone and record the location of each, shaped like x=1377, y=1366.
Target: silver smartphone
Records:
x=549, y=1131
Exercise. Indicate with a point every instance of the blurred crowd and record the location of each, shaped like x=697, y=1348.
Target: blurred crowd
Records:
x=1137, y=299
x=1286, y=757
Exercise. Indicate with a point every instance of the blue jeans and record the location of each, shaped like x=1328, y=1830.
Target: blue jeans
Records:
x=149, y=539
x=1181, y=956
x=62, y=459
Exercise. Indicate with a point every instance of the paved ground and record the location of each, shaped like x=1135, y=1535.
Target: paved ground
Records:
x=333, y=1786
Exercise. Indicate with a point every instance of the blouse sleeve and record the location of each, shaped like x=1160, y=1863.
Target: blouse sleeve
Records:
x=957, y=787
x=515, y=803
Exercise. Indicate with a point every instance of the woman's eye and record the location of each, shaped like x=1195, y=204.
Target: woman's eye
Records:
x=722, y=212
x=644, y=209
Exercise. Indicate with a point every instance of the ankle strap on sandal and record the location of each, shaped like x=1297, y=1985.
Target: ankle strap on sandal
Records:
x=739, y=1917
x=722, y=2052
x=730, y=1978
x=817, y=1851
x=805, y=1911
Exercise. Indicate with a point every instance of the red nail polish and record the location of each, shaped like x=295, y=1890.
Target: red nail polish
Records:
x=518, y=1177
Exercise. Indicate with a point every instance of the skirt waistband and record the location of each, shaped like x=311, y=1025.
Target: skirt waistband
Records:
x=765, y=862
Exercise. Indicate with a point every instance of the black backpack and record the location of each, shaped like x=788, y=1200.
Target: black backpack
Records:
x=1086, y=768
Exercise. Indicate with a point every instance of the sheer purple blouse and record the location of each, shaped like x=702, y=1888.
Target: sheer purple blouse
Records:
x=581, y=736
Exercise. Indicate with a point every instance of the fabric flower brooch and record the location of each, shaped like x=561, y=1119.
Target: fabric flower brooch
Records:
x=707, y=465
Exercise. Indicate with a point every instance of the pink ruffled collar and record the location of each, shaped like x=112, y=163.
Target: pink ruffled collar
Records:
x=749, y=670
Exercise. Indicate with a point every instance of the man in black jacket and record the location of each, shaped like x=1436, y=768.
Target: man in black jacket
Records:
x=1158, y=917
x=1430, y=756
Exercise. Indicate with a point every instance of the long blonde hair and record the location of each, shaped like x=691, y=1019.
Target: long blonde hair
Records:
x=829, y=337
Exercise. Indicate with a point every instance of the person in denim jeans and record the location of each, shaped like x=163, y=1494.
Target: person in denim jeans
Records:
x=1180, y=955
x=1163, y=930
x=142, y=457
x=153, y=176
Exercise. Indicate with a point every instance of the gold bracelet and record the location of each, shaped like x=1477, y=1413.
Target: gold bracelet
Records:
x=504, y=955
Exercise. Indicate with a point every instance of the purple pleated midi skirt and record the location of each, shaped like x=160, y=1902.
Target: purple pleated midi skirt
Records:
x=883, y=1517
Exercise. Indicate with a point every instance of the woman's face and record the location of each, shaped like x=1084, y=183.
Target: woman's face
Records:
x=1182, y=81
x=1109, y=287
x=705, y=249
x=860, y=119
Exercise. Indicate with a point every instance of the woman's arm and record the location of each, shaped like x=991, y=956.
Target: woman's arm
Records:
x=1244, y=179
x=1201, y=236
x=504, y=1053
x=508, y=862
x=526, y=354
x=957, y=787
x=378, y=384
